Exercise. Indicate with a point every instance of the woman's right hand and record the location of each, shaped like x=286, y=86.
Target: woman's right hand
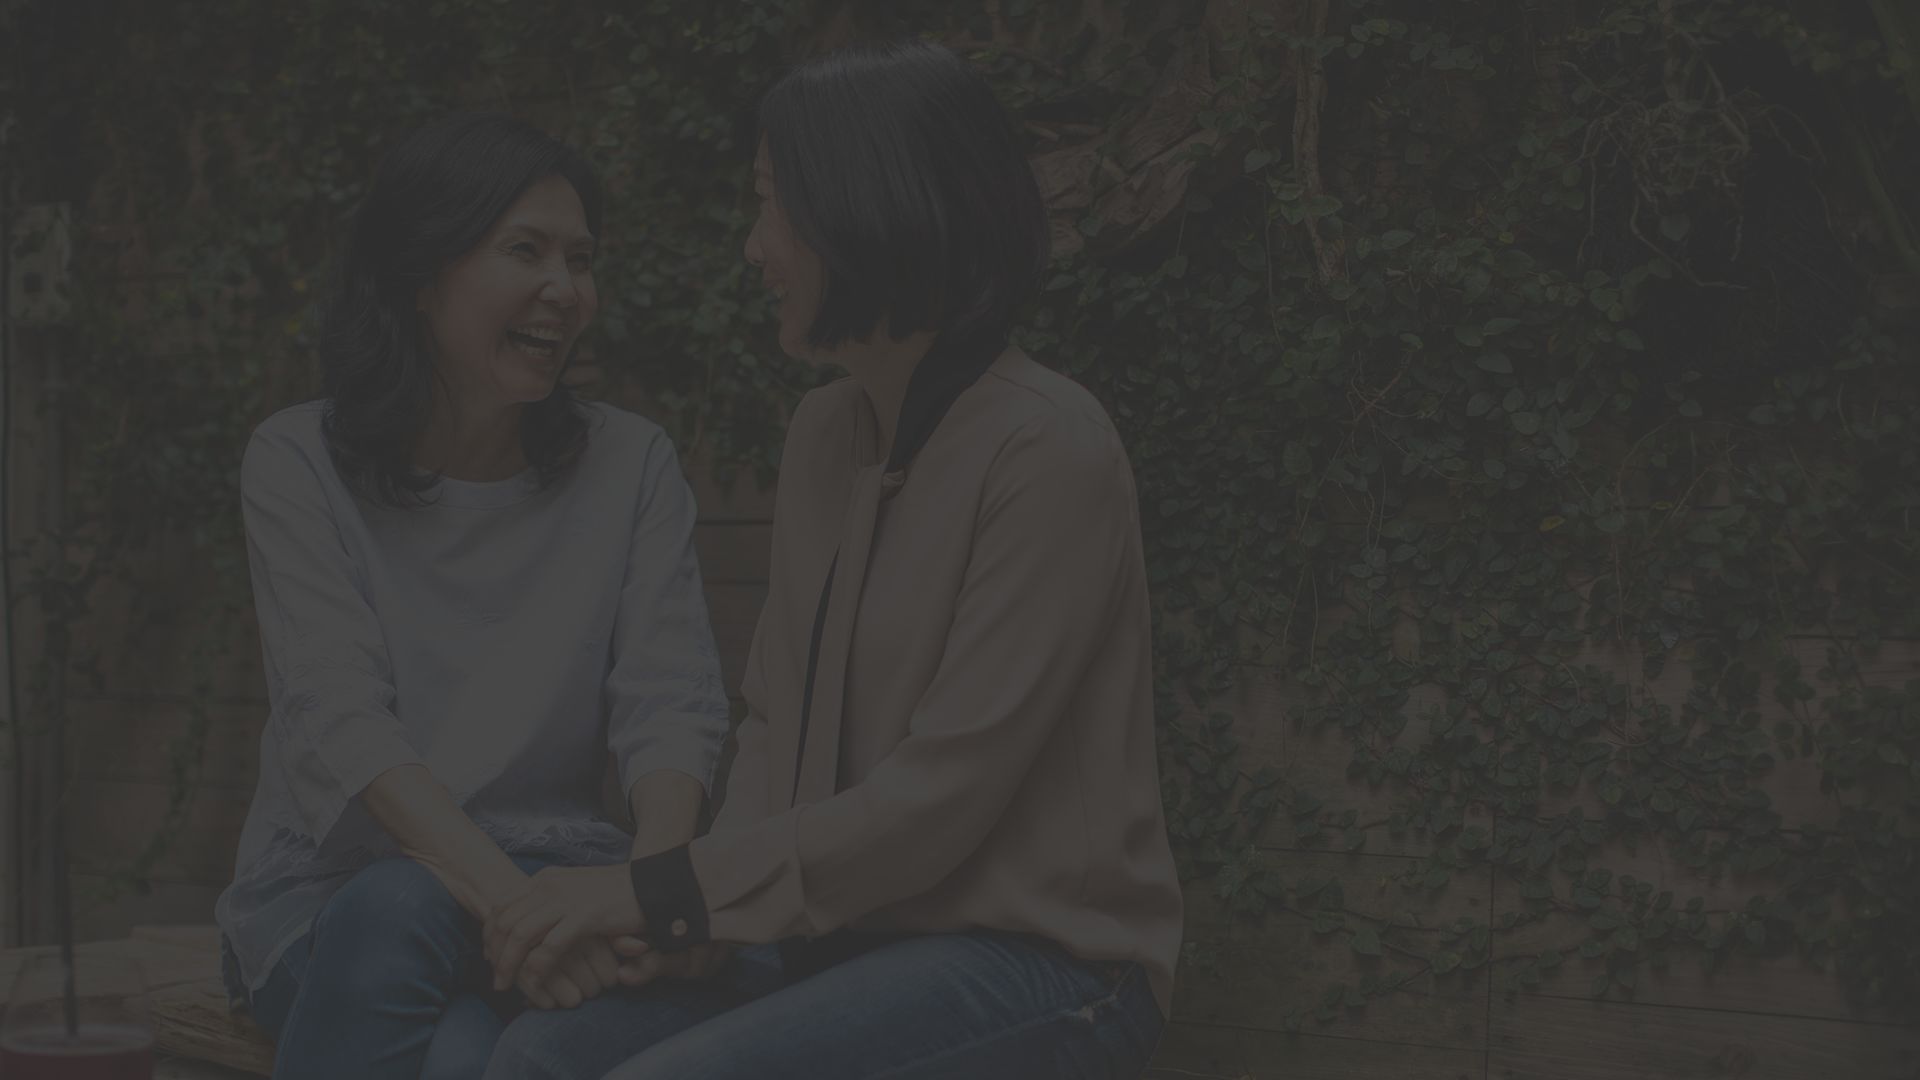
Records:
x=593, y=967
x=640, y=963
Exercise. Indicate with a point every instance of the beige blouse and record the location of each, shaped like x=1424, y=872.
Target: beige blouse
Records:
x=980, y=749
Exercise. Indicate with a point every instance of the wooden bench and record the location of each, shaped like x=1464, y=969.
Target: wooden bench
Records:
x=197, y=1038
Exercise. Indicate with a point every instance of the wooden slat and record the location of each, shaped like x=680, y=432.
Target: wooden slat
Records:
x=195, y=937
x=733, y=552
x=174, y=902
x=193, y=1022
x=1253, y=973
x=1792, y=785
x=1782, y=982
x=160, y=963
x=740, y=499
x=1266, y=709
x=1541, y=1038
x=153, y=662
x=148, y=657
x=153, y=634
x=734, y=610
x=150, y=625
x=181, y=970
x=113, y=821
x=133, y=740
x=1211, y=1052
x=168, y=1067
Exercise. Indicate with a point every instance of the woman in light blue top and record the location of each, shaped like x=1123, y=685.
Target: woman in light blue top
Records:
x=472, y=590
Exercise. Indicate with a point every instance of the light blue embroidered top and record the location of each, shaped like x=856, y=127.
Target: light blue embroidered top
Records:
x=507, y=637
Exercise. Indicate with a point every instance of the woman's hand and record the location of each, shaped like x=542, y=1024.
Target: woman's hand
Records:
x=560, y=907
x=641, y=963
x=596, y=966
x=431, y=829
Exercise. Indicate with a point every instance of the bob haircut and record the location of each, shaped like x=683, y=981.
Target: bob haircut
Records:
x=897, y=165
x=434, y=198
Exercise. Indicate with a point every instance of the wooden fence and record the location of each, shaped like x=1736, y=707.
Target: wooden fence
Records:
x=1766, y=1019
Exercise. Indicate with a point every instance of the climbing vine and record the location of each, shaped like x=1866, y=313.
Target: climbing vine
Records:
x=1524, y=400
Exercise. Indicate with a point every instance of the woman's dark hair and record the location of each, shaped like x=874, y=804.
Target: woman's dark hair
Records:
x=434, y=197
x=900, y=169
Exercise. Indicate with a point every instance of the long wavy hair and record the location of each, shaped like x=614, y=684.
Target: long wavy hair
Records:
x=434, y=197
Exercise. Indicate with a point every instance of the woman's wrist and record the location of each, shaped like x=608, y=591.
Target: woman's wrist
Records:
x=645, y=844
x=666, y=811
x=481, y=877
x=432, y=829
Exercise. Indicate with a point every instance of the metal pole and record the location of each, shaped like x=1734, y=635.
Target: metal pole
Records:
x=13, y=927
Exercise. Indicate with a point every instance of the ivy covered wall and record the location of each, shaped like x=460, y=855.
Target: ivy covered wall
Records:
x=1522, y=396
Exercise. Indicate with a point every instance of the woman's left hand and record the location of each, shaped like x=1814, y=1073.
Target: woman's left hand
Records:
x=561, y=906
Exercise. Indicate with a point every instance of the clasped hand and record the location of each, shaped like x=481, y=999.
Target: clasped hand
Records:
x=574, y=932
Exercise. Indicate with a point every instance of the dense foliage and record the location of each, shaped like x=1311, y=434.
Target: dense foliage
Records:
x=1525, y=387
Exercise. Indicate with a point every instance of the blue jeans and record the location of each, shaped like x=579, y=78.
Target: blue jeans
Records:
x=390, y=984
x=970, y=1005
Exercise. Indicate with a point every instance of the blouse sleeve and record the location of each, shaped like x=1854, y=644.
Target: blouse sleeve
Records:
x=667, y=702
x=1050, y=543
x=329, y=680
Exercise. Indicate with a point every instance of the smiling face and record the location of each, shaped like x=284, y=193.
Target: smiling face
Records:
x=504, y=316
x=787, y=265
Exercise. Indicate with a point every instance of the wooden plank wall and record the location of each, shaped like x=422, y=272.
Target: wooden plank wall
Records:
x=1760, y=1019
x=1756, y=1018
x=125, y=731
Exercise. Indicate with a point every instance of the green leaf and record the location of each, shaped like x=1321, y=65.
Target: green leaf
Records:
x=1496, y=363
x=1675, y=227
x=1394, y=239
x=1445, y=962
x=1526, y=423
x=1480, y=404
x=1367, y=942
x=1323, y=206
x=1257, y=160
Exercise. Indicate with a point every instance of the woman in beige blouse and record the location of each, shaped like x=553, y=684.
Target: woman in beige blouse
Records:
x=942, y=851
